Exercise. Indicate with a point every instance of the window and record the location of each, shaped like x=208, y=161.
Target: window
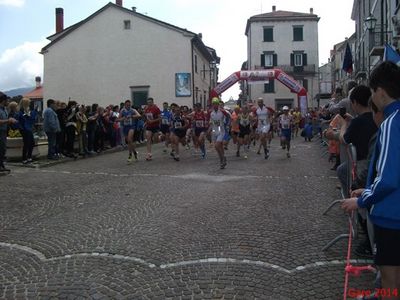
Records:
x=268, y=34
x=204, y=71
x=297, y=33
x=270, y=86
x=269, y=59
x=195, y=63
x=304, y=83
x=127, y=24
x=298, y=59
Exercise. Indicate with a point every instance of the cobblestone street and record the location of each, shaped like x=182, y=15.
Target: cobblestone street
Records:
x=99, y=228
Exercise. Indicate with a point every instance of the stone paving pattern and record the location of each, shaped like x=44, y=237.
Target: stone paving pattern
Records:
x=99, y=228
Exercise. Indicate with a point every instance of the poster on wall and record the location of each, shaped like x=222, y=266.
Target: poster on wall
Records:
x=183, y=85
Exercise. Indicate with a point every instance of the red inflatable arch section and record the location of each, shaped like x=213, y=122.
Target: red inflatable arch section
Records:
x=262, y=75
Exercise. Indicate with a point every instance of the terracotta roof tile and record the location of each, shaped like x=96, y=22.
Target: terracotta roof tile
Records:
x=36, y=93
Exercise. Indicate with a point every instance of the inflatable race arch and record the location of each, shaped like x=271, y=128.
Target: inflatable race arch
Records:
x=262, y=75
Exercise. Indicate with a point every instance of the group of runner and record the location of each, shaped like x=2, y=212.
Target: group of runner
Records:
x=175, y=126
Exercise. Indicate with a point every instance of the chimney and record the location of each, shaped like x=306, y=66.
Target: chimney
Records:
x=59, y=19
x=118, y=2
x=200, y=35
x=134, y=8
x=311, y=11
x=38, y=80
x=273, y=8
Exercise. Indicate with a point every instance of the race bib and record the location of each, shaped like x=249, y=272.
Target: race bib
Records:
x=263, y=122
x=199, y=123
x=149, y=116
x=285, y=126
x=128, y=121
x=178, y=125
x=165, y=121
x=217, y=123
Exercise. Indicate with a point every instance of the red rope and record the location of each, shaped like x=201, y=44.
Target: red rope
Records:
x=346, y=274
x=349, y=269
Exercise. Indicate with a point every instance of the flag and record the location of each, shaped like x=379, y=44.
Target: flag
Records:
x=348, y=60
x=391, y=55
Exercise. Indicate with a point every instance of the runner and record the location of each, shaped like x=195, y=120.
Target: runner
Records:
x=264, y=125
x=296, y=121
x=285, y=125
x=244, y=121
x=227, y=125
x=189, y=134
x=179, y=126
x=128, y=118
x=166, y=117
x=153, y=118
x=235, y=126
x=199, y=118
x=217, y=129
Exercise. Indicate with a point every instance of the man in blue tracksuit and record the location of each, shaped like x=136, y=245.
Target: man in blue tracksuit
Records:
x=382, y=193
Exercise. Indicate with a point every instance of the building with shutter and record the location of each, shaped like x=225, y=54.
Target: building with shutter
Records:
x=287, y=41
x=117, y=54
x=377, y=23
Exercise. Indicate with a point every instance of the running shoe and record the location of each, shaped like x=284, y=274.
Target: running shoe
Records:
x=288, y=155
x=245, y=156
x=266, y=153
x=176, y=157
x=135, y=153
x=129, y=158
x=223, y=163
x=148, y=157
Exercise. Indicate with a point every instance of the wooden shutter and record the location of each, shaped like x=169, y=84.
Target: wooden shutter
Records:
x=275, y=60
x=262, y=60
x=291, y=59
x=304, y=59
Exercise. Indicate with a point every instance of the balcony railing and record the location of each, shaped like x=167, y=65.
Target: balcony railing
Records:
x=308, y=69
x=377, y=40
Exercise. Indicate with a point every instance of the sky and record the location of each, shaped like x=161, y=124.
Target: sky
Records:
x=25, y=24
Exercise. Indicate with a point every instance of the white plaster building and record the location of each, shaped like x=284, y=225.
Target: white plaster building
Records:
x=118, y=53
x=287, y=41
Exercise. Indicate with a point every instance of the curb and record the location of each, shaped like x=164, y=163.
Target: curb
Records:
x=44, y=163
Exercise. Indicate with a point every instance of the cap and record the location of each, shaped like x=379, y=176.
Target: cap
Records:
x=215, y=100
x=285, y=108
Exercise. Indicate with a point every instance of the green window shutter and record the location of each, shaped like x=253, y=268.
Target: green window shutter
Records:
x=304, y=59
x=262, y=60
x=275, y=59
x=297, y=33
x=291, y=59
x=305, y=84
x=269, y=87
x=268, y=34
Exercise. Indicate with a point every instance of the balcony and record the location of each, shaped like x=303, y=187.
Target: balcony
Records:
x=292, y=70
x=377, y=39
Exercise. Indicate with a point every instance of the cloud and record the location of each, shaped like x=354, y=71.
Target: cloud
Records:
x=20, y=65
x=15, y=3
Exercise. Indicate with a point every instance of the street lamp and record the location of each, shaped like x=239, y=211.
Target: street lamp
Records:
x=370, y=22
